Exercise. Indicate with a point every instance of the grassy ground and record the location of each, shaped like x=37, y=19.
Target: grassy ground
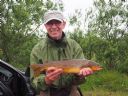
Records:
x=107, y=83
x=101, y=92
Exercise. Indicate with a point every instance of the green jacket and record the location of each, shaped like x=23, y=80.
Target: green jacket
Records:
x=50, y=50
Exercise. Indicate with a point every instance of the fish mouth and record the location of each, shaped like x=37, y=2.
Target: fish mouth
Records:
x=96, y=68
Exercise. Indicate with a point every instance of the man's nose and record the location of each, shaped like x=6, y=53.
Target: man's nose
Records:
x=53, y=25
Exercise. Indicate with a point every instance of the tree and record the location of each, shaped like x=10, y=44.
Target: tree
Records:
x=111, y=25
x=105, y=39
x=17, y=36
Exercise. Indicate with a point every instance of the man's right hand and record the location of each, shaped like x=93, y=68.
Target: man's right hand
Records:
x=52, y=73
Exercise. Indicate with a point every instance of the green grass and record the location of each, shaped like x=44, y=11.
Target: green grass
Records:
x=106, y=83
x=103, y=92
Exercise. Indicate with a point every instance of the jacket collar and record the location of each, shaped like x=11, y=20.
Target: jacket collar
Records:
x=62, y=43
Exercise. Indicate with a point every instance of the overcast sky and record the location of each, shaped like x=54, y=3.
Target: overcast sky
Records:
x=71, y=5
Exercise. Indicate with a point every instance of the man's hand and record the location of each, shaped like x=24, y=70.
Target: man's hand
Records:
x=85, y=72
x=52, y=73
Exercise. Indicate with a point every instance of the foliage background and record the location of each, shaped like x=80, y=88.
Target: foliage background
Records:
x=103, y=39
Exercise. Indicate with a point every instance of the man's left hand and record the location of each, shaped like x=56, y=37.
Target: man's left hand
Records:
x=85, y=72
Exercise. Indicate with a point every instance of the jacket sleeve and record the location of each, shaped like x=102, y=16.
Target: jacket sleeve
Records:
x=78, y=54
x=38, y=83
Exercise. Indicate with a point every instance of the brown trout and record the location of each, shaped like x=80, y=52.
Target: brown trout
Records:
x=68, y=66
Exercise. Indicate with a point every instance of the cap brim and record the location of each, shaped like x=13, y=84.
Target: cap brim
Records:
x=53, y=19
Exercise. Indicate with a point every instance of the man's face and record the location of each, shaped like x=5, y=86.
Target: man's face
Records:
x=55, y=28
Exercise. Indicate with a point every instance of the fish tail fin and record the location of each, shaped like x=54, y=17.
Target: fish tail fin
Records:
x=34, y=66
x=36, y=73
x=36, y=69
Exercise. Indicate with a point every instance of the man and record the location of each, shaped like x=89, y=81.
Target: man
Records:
x=56, y=46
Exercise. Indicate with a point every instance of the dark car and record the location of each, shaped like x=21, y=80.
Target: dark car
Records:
x=13, y=82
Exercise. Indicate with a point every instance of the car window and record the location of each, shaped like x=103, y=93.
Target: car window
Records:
x=14, y=81
x=5, y=74
x=1, y=92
